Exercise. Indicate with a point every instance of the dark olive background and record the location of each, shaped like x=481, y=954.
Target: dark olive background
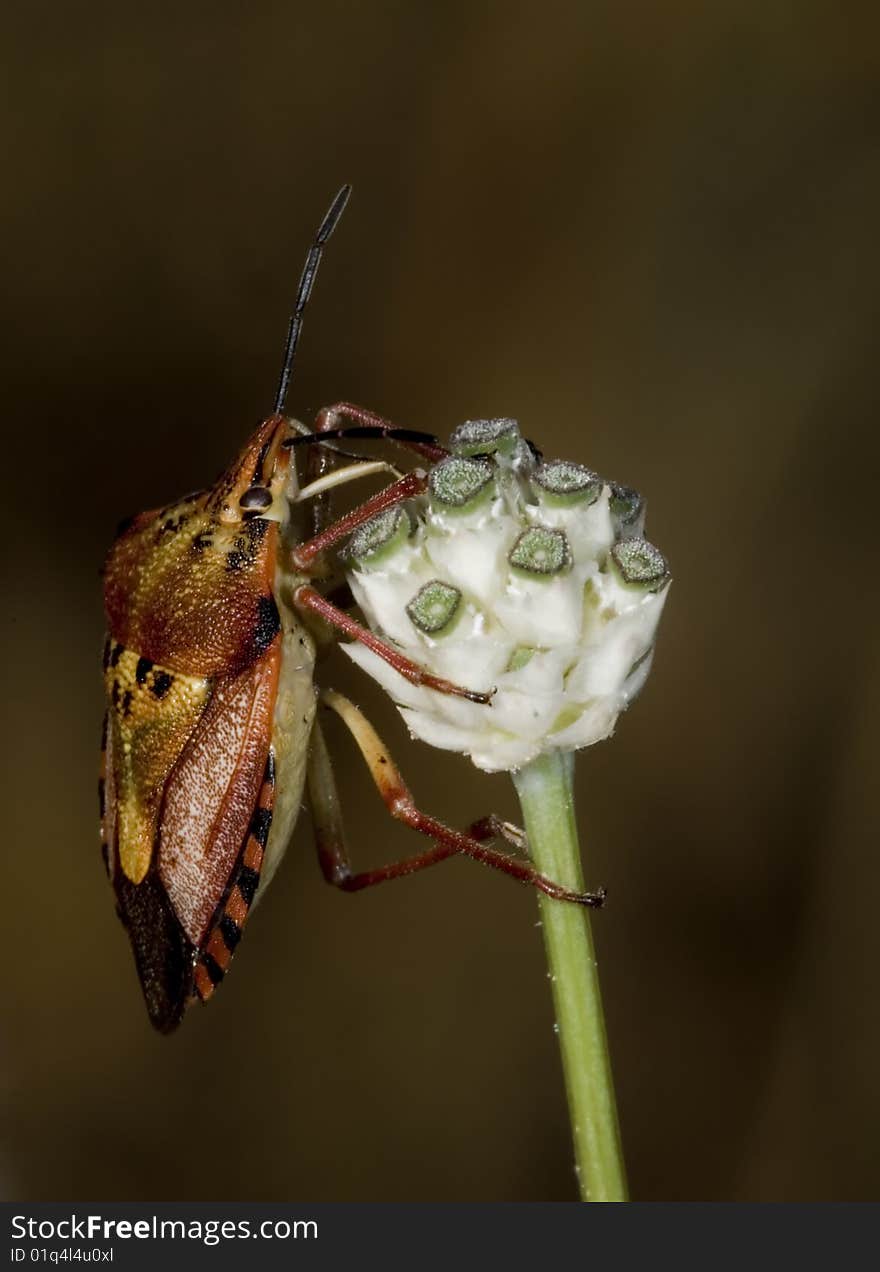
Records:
x=648, y=231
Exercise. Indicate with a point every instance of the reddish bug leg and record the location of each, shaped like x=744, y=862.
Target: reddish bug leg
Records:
x=320, y=458
x=413, y=483
x=330, y=835
x=320, y=475
x=327, y=420
x=307, y=598
x=400, y=803
x=492, y=827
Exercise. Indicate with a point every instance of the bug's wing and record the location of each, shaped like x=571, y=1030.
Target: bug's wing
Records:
x=213, y=791
x=222, y=938
x=183, y=779
x=163, y=953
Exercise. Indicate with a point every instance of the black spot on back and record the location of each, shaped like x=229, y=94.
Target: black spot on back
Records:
x=162, y=682
x=115, y=654
x=174, y=522
x=267, y=625
x=144, y=667
x=255, y=530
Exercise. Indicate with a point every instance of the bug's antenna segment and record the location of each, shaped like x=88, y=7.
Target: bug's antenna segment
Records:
x=310, y=269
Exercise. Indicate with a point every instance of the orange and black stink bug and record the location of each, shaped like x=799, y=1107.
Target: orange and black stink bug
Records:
x=216, y=606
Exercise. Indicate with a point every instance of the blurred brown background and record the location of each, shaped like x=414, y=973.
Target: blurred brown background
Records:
x=648, y=231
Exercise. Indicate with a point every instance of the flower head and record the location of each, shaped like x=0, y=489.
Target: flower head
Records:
x=527, y=576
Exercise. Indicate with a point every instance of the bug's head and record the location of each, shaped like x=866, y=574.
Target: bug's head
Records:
x=255, y=483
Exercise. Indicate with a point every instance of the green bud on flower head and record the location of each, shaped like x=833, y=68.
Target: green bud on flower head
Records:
x=639, y=564
x=521, y=657
x=541, y=551
x=561, y=483
x=434, y=606
x=374, y=541
x=485, y=437
x=627, y=511
x=458, y=483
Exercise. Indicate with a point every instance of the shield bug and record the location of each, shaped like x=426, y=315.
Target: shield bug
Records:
x=217, y=606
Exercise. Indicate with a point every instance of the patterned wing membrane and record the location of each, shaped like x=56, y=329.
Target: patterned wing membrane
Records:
x=212, y=793
x=186, y=793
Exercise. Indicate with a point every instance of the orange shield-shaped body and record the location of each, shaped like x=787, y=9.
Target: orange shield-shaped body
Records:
x=191, y=668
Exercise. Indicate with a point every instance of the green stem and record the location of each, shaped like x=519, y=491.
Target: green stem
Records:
x=545, y=794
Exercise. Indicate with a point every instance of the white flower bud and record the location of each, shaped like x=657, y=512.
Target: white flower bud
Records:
x=528, y=578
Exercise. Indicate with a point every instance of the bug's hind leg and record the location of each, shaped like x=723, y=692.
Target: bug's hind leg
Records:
x=399, y=801
x=330, y=834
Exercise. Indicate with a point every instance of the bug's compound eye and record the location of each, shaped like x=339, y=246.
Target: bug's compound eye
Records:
x=255, y=498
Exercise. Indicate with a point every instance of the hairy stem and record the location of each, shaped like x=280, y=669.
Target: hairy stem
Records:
x=545, y=794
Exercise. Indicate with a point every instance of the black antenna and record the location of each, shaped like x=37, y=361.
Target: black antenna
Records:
x=310, y=269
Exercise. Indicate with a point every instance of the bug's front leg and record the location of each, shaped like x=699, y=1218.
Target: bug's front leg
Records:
x=305, y=554
x=309, y=600
x=330, y=836
x=367, y=424
x=306, y=558
x=329, y=417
